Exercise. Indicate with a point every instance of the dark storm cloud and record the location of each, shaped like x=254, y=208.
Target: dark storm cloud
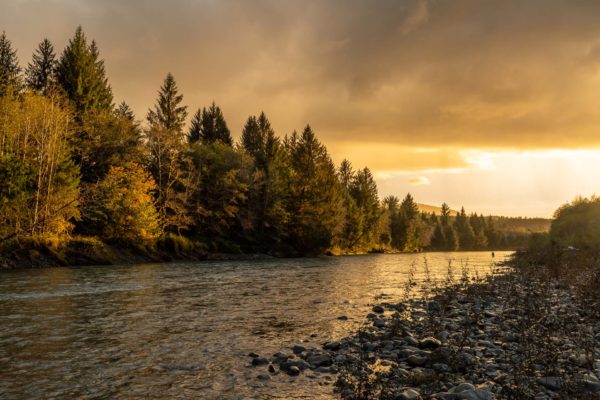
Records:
x=404, y=73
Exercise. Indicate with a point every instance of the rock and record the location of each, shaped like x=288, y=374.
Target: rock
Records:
x=409, y=394
x=429, y=343
x=475, y=394
x=271, y=368
x=253, y=355
x=462, y=387
x=278, y=358
x=550, y=382
x=293, y=371
x=415, y=360
x=320, y=360
x=300, y=364
x=297, y=349
x=342, y=318
x=325, y=370
x=259, y=361
x=379, y=323
x=411, y=341
x=334, y=346
x=378, y=309
x=264, y=377
x=591, y=383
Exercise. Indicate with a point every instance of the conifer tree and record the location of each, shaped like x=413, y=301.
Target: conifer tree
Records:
x=314, y=200
x=167, y=157
x=195, y=131
x=9, y=66
x=168, y=113
x=41, y=71
x=345, y=174
x=124, y=111
x=213, y=126
x=81, y=74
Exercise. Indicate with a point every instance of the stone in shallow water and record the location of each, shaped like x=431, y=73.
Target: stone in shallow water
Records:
x=415, y=360
x=297, y=349
x=259, y=361
x=550, y=382
x=378, y=309
x=264, y=377
x=332, y=346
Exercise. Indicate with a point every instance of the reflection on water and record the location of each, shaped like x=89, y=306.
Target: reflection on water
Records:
x=183, y=330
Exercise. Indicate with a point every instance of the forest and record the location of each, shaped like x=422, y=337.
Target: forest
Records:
x=73, y=164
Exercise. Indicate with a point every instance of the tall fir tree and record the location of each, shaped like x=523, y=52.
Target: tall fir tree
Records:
x=195, y=131
x=168, y=113
x=9, y=66
x=213, y=126
x=125, y=112
x=81, y=74
x=41, y=71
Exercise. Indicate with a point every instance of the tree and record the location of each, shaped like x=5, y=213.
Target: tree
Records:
x=438, y=239
x=445, y=214
x=363, y=191
x=345, y=174
x=81, y=74
x=221, y=194
x=124, y=111
x=212, y=127
x=314, y=200
x=195, y=131
x=41, y=71
x=466, y=236
x=167, y=157
x=168, y=113
x=121, y=205
x=36, y=157
x=9, y=65
x=266, y=194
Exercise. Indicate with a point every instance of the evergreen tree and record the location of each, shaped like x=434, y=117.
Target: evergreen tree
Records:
x=314, y=200
x=167, y=159
x=363, y=191
x=451, y=238
x=445, y=214
x=41, y=71
x=266, y=195
x=195, y=131
x=9, y=66
x=345, y=174
x=213, y=126
x=466, y=236
x=168, y=113
x=259, y=140
x=80, y=72
x=438, y=238
x=125, y=112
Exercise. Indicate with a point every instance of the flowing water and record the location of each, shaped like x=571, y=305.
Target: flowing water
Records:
x=183, y=330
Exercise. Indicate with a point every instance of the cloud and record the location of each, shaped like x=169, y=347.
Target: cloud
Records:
x=419, y=181
x=441, y=74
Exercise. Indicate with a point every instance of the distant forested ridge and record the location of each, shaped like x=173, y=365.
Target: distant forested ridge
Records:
x=76, y=165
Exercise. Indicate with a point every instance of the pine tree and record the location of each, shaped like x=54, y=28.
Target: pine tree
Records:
x=259, y=140
x=81, y=74
x=345, y=174
x=124, y=111
x=445, y=214
x=41, y=71
x=314, y=201
x=466, y=236
x=363, y=191
x=9, y=66
x=213, y=126
x=195, y=132
x=168, y=113
x=438, y=239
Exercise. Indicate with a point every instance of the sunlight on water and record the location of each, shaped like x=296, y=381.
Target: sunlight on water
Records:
x=183, y=330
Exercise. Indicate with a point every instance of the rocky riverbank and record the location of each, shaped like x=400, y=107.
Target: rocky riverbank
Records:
x=515, y=335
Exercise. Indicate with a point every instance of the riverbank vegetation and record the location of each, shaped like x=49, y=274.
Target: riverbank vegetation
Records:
x=529, y=329
x=76, y=168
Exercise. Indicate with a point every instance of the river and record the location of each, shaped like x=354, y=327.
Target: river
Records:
x=183, y=330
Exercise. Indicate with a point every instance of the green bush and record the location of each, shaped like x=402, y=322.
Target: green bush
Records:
x=577, y=224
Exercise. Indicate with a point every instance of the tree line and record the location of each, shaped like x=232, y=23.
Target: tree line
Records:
x=74, y=163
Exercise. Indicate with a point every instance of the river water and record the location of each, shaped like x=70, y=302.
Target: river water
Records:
x=183, y=330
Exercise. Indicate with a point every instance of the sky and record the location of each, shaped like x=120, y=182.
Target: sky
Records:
x=491, y=105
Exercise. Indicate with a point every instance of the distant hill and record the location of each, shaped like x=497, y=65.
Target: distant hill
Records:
x=426, y=208
x=503, y=224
